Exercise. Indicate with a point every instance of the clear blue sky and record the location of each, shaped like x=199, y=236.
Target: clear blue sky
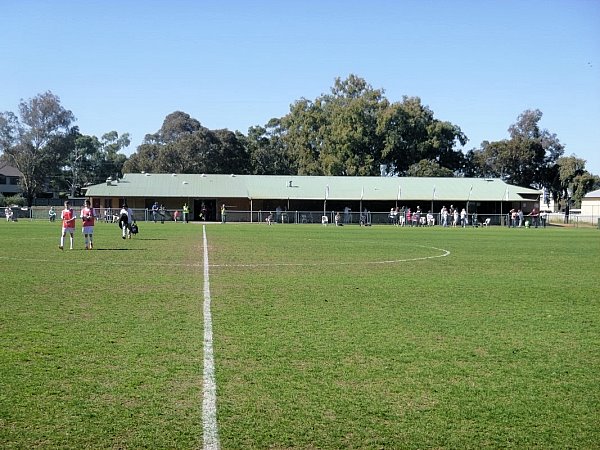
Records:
x=124, y=65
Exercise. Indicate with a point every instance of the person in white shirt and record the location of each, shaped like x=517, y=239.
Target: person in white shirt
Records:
x=126, y=219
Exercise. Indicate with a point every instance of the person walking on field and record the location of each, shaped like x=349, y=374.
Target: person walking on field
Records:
x=68, y=225
x=125, y=221
x=88, y=218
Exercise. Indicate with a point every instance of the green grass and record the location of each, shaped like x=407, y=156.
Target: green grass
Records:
x=324, y=337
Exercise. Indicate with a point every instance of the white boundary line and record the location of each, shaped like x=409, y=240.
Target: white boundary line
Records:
x=209, y=397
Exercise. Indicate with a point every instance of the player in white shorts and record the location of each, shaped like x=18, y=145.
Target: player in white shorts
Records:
x=68, y=224
x=88, y=217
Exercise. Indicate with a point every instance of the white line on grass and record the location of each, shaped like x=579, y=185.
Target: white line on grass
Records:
x=358, y=262
x=342, y=263
x=105, y=262
x=209, y=400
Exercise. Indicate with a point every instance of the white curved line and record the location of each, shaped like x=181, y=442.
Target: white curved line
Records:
x=308, y=264
x=338, y=263
x=283, y=264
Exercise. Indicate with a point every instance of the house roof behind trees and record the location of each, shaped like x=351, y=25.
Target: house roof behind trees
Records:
x=9, y=171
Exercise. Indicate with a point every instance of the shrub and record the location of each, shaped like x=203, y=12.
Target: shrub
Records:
x=14, y=200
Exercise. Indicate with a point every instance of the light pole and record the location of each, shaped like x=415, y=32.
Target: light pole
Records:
x=469, y=199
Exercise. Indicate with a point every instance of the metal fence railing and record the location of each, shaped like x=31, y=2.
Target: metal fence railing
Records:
x=381, y=218
x=308, y=217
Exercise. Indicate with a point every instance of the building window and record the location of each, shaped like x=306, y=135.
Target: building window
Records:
x=13, y=181
x=3, y=179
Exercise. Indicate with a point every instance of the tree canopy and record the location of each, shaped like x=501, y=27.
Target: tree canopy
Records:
x=37, y=141
x=352, y=130
x=183, y=145
x=355, y=130
x=532, y=156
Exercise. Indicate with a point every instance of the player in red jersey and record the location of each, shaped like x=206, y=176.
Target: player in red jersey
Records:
x=68, y=224
x=88, y=217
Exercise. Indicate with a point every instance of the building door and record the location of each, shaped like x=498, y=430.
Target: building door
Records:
x=205, y=209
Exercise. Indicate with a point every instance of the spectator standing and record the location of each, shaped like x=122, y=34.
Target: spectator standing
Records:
x=520, y=217
x=513, y=218
x=186, y=212
x=154, y=211
x=444, y=214
x=430, y=219
x=463, y=218
x=416, y=217
x=402, y=217
x=544, y=218
x=534, y=214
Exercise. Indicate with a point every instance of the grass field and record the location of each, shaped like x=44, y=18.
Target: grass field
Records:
x=324, y=337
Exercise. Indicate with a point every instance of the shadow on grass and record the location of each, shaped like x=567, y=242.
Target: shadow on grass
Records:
x=119, y=249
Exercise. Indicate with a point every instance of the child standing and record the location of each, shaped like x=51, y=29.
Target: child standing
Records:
x=88, y=217
x=68, y=224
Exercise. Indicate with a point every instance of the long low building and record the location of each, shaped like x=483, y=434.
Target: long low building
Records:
x=248, y=196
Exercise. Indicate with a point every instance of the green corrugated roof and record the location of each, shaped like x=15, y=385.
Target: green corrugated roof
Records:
x=309, y=187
